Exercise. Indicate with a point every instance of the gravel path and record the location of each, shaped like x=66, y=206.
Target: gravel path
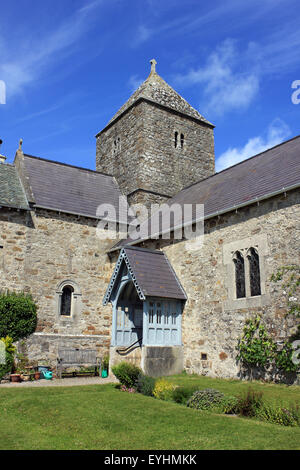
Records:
x=67, y=382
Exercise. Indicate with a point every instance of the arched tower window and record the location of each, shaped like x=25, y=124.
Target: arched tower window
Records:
x=254, y=272
x=181, y=140
x=176, y=139
x=239, y=275
x=66, y=300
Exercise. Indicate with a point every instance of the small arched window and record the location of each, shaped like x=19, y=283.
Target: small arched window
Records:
x=239, y=275
x=254, y=272
x=66, y=300
x=181, y=140
x=176, y=139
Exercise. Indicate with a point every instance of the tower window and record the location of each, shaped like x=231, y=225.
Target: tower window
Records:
x=116, y=145
x=176, y=140
x=239, y=275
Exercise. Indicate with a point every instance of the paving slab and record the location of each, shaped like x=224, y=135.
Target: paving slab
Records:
x=67, y=382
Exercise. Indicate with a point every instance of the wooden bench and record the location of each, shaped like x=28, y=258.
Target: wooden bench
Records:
x=77, y=357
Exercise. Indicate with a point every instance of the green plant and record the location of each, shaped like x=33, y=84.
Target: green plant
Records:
x=105, y=362
x=229, y=405
x=9, y=347
x=249, y=403
x=256, y=348
x=206, y=399
x=6, y=368
x=285, y=416
x=126, y=373
x=163, y=390
x=145, y=385
x=18, y=318
x=284, y=358
x=183, y=394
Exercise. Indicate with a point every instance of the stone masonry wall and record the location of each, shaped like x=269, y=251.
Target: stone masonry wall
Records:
x=40, y=252
x=146, y=156
x=213, y=318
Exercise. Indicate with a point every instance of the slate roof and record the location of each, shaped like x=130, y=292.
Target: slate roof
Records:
x=152, y=274
x=272, y=171
x=11, y=190
x=157, y=90
x=71, y=189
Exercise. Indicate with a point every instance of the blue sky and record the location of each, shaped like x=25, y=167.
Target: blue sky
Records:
x=69, y=65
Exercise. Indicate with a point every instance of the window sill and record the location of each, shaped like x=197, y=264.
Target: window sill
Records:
x=247, y=302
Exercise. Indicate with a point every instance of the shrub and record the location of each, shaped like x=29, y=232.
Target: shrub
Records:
x=163, y=390
x=145, y=385
x=7, y=367
x=182, y=394
x=280, y=415
x=284, y=358
x=250, y=403
x=126, y=373
x=206, y=399
x=229, y=405
x=8, y=343
x=18, y=318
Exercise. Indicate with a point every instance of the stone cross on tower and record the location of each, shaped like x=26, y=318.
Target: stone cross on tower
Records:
x=153, y=64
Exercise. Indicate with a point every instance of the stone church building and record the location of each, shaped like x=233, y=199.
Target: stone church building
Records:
x=151, y=300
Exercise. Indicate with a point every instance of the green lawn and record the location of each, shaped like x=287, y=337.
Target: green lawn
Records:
x=102, y=417
x=278, y=393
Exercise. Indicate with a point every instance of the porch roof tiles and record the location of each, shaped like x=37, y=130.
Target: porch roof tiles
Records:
x=151, y=272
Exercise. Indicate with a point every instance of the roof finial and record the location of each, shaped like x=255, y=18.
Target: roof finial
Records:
x=20, y=145
x=153, y=64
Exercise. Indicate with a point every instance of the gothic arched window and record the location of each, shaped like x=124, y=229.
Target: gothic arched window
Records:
x=254, y=272
x=66, y=300
x=239, y=275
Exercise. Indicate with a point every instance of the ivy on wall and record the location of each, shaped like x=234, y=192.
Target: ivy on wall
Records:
x=256, y=347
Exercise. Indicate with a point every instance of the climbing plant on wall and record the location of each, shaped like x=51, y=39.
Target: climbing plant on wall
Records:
x=256, y=347
x=289, y=278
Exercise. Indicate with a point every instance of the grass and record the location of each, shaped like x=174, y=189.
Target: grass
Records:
x=102, y=417
x=272, y=393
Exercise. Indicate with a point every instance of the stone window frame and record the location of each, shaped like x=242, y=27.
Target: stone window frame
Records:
x=178, y=140
x=75, y=302
x=260, y=244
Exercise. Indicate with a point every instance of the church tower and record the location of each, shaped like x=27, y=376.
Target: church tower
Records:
x=156, y=144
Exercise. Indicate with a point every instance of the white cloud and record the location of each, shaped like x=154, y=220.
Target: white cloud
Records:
x=143, y=33
x=277, y=132
x=24, y=60
x=227, y=85
x=134, y=82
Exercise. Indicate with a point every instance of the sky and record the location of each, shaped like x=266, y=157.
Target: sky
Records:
x=67, y=66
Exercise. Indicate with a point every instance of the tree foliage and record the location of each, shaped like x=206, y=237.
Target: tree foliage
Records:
x=18, y=315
